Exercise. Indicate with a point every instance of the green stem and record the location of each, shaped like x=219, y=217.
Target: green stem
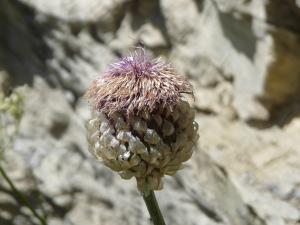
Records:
x=20, y=197
x=153, y=209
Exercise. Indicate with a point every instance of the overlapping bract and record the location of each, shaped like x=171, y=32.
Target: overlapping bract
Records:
x=146, y=148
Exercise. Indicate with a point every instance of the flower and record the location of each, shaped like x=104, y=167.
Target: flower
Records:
x=141, y=126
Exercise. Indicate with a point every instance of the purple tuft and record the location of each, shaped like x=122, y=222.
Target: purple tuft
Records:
x=137, y=83
x=138, y=64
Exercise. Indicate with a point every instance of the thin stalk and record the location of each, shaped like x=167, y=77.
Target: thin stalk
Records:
x=20, y=197
x=153, y=208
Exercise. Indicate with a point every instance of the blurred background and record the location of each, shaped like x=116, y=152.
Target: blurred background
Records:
x=243, y=58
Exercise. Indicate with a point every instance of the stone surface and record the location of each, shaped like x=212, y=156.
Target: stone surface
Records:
x=242, y=58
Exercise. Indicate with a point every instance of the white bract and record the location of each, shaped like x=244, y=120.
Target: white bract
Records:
x=144, y=147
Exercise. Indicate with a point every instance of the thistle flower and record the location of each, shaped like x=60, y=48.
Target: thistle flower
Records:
x=141, y=126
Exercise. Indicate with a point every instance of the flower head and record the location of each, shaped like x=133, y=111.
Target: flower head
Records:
x=141, y=126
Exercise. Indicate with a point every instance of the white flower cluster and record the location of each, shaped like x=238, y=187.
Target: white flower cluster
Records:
x=145, y=147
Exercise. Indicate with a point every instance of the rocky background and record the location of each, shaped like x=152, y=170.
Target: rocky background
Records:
x=243, y=58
